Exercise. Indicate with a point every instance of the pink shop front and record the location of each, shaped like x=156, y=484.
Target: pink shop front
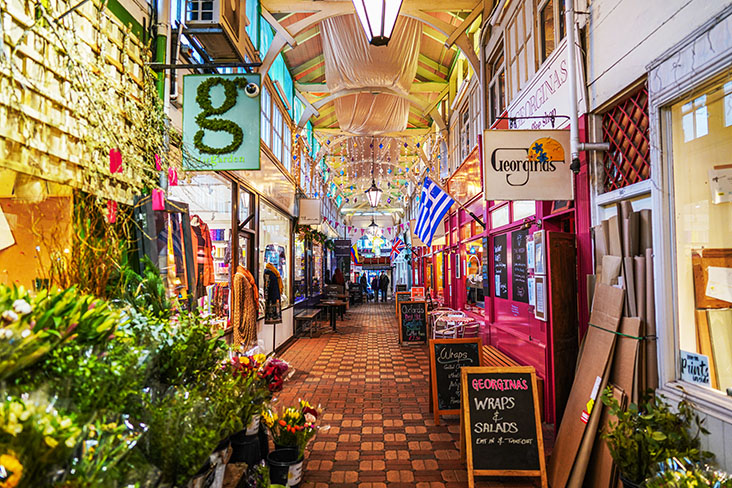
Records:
x=518, y=276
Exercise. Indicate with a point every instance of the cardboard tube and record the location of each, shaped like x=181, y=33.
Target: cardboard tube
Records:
x=651, y=348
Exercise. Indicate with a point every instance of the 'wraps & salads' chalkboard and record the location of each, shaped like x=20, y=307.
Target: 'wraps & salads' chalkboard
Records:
x=413, y=322
x=519, y=271
x=501, y=422
x=447, y=356
x=500, y=266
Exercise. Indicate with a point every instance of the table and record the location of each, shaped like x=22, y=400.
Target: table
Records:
x=452, y=321
x=332, y=305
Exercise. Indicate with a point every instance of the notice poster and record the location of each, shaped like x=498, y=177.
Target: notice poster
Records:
x=519, y=267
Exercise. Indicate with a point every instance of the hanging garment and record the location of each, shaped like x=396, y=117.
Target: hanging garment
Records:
x=244, y=310
x=272, y=295
x=203, y=249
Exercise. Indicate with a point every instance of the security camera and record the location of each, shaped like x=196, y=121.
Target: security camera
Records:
x=252, y=90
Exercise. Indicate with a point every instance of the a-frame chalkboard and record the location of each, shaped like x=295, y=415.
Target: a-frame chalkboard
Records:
x=447, y=356
x=501, y=425
x=413, y=322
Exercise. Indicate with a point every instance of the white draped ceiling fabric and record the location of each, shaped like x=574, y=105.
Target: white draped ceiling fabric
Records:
x=352, y=63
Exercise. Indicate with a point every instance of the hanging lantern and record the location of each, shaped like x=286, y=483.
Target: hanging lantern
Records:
x=373, y=194
x=377, y=18
x=373, y=227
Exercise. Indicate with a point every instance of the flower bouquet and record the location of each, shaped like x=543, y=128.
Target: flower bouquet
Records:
x=293, y=427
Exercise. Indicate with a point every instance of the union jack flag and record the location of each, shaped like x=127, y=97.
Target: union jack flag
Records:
x=397, y=248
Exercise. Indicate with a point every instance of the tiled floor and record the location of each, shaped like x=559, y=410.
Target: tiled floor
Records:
x=375, y=396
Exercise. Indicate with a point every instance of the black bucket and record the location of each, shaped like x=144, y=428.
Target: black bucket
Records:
x=285, y=467
x=245, y=449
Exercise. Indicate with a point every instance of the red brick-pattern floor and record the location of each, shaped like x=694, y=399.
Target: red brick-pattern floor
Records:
x=374, y=393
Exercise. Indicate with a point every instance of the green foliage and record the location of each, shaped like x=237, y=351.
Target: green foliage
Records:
x=145, y=293
x=673, y=473
x=204, y=120
x=651, y=432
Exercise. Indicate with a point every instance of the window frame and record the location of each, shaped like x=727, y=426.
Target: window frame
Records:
x=559, y=28
x=497, y=64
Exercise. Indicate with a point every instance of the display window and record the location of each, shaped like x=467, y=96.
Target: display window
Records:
x=208, y=197
x=439, y=274
x=701, y=133
x=474, y=273
x=274, y=247
x=318, y=266
x=300, y=278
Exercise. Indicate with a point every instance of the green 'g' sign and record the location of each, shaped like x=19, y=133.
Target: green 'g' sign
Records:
x=221, y=122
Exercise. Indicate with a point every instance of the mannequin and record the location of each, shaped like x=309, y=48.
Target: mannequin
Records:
x=244, y=308
x=203, y=249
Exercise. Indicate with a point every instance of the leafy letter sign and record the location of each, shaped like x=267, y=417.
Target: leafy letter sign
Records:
x=221, y=122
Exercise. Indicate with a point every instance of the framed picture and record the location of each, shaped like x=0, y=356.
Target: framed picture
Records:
x=560, y=205
x=539, y=252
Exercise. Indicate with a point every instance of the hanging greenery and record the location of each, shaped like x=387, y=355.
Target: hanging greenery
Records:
x=308, y=234
x=203, y=98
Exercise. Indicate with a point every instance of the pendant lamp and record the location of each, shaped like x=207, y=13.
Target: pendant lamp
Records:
x=373, y=227
x=377, y=18
x=373, y=194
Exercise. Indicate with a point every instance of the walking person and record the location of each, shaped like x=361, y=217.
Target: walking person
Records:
x=363, y=282
x=384, y=286
x=375, y=287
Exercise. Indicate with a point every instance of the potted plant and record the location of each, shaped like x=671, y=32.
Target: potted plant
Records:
x=675, y=473
x=650, y=432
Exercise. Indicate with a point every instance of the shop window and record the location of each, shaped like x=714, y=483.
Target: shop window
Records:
x=465, y=232
x=208, y=196
x=701, y=142
x=523, y=209
x=500, y=216
x=277, y=133
x=439, y=274
x=551, y=22
x=497, y=86
x=300, y=281
x=474, y=273
x=625, y=127
x=266, y=116
x=274, y=246
x=246, y=210
x=519, y=43
x=287, y=145
x=317, y=273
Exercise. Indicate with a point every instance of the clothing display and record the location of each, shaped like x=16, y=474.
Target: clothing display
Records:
x=203, y=249
x=244, y=308
x=272, y=295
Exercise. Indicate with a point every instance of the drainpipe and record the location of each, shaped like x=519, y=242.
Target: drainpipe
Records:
x=162, y=46
x=575, y=145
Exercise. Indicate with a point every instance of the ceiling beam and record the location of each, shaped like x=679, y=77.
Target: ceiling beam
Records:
x=279, y=28
x=404, y=133
x=308, y=65
x=417, y=87
x=286, y=6
x=464, y=24
x=432, y=64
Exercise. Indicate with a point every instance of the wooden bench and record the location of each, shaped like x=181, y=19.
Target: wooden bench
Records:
x=307, y=320
x=494, y=357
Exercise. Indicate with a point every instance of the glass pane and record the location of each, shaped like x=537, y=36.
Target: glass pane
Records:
x=701, y=142
x=499, y=216
x=246, y=209
x=300, y=270
x=274, y=247
x=546, y=20
x=523, y=209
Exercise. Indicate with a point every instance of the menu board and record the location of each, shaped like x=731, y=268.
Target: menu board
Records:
x=501, y=422
x=447, y=356
x=413, y=322
x=500, y=266
x=399, y=297
x=519, y=271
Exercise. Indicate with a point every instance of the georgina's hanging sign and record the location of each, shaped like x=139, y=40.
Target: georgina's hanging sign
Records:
x=527, y=165
x=221, y=122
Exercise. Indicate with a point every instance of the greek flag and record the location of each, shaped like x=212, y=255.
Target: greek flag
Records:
x=433, y=205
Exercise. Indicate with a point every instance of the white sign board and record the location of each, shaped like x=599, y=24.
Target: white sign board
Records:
x=309, y=212
x=527, y=165
x=695, y=368
x=547, y=93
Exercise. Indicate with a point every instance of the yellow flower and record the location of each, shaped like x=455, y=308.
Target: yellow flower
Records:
x=65, y=423
x=245, y=360
x=70, y=442
x=51, y=441
x=13, y=467
x=260, y=358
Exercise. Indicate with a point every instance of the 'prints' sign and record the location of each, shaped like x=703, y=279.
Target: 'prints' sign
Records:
x=527, y=165
x=695, y=368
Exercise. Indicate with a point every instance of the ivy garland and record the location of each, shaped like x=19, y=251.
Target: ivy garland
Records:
x=308, y=234
x=203, y=98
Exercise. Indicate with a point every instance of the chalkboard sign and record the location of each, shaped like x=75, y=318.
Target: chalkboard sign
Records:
x=485, y=270
x=401, y=296
x=413, y=322
x=500, y=266
x=447, y=356
x=501, y=422
x=519, y=275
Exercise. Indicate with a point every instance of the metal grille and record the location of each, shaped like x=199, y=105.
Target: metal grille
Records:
x=625, y=127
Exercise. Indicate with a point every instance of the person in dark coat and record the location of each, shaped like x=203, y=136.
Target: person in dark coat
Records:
x=338, y=278
x=363, y=283
x=383, y=286
x=375, y=287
